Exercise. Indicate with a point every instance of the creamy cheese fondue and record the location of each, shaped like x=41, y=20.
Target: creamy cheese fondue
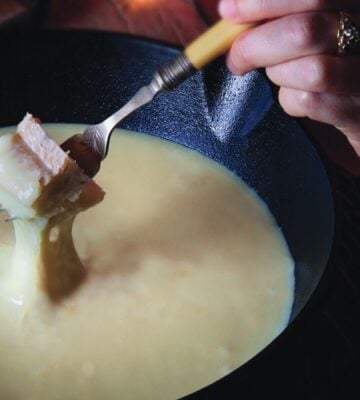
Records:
x=188, y=278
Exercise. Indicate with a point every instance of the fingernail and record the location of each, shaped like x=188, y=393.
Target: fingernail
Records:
x=228, y=9
x=234, y=68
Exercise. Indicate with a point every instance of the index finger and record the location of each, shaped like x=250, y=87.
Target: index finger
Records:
x=256, y=10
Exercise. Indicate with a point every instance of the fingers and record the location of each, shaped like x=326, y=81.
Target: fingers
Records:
x=338, y=110
x=297, y=42
x=284, y=39
x=319, y=73
x=257, y=10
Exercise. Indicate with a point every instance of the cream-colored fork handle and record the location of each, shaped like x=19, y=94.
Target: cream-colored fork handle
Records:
x=214, y=42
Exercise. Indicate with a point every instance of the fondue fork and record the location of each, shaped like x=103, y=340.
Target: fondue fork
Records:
x=91, y=147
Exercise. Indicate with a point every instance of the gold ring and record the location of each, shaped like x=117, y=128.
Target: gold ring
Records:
x=348, y=36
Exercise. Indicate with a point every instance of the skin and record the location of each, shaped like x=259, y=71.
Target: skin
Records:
x=296, y=43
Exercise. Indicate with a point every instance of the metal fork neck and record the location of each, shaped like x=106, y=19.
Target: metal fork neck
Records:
x=165, y=79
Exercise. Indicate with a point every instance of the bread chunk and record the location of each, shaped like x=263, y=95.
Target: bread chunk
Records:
x=43, y=190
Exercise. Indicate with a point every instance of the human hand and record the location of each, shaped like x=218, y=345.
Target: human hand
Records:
x=298, y=45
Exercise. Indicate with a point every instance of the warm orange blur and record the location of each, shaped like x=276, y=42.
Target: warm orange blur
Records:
x=175, y=21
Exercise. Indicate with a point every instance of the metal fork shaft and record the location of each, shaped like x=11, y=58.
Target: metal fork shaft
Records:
x=165, y=79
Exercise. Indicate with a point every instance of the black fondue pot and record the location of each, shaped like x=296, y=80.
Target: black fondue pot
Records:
x=82, y=77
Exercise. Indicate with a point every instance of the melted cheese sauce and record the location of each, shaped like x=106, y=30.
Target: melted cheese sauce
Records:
x=189, y=278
